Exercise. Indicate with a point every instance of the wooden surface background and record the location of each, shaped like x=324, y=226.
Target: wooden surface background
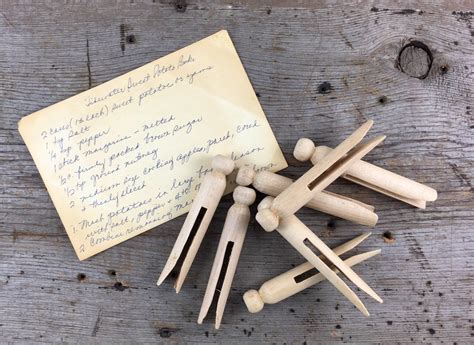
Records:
x=319, y=70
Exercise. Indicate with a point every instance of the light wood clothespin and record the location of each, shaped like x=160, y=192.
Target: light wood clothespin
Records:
x=300, y=278
x=197, y=221
x=306, y=242
x=317, y=178
x=228, y=252
x=337, y=205
x=371, y=176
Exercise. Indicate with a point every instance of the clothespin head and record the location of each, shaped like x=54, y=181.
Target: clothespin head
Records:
x=320, y=152
x=223, y=164
x=265, y=216
x=253, y=301
x=304, y=149
x=245, y=176
x=244, y=195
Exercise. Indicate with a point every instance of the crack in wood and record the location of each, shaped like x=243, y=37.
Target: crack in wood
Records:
x=97, y=324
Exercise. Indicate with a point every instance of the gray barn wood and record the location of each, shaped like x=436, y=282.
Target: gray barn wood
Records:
x=319, y=71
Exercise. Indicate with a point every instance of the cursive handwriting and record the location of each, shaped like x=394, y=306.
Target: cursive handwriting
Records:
x=126, y=158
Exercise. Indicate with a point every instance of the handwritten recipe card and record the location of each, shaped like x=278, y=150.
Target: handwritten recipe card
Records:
x=128, y=155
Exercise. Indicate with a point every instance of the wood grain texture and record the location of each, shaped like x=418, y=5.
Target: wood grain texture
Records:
x=320, y=70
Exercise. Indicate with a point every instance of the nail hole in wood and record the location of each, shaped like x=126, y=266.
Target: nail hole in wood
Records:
x=130, y=39
x=180, y=6
x=165, y=332
x=388, y=237
x=325, y=87
x=118, y=286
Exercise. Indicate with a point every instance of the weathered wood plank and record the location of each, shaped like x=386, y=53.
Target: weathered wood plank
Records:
x=319, y=70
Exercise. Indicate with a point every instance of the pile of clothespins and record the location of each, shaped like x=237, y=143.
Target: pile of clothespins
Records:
x=277, y=212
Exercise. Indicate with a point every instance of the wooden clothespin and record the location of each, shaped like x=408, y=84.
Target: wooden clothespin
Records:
x=371, y=176
x=198, y=219
x=337, y=205
x=300, y=278
x=306, y=243
x=317, y=178
x=228, y=252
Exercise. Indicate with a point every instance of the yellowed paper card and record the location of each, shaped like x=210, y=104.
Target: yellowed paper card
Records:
x=128, y=155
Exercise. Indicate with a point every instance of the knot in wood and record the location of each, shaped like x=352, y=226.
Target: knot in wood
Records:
x=415, y=59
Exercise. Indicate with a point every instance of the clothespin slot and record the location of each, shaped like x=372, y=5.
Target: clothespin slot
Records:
x=330, y=258
x=197, y=223
x=342, y=249
x=305, y=275
x=307, y=242
x=225, y=264
x=342, y=163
